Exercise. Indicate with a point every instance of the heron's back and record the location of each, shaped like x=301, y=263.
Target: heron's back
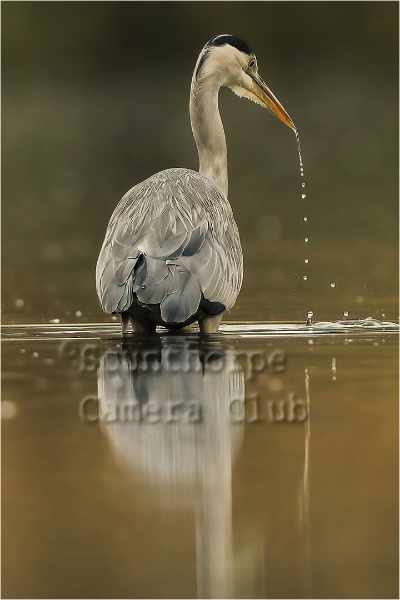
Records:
x=171, y=248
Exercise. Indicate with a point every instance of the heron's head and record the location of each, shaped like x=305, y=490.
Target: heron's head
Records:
x=232, y=63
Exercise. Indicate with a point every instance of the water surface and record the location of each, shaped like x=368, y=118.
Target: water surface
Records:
x=260, y=462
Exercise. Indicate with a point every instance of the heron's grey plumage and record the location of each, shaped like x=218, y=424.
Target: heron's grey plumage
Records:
x=172, y=240
x=172, y=252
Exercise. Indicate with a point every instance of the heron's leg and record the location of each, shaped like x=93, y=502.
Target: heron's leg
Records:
x=125, y=320
x=143, y=326
x=210, y=324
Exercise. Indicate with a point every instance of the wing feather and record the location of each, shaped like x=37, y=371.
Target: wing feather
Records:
x=185, y=229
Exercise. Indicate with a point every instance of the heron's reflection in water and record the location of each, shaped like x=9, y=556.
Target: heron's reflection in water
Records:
x=178, y=399
x=169, y=410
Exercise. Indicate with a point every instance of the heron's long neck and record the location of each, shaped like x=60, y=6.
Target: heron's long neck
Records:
x=208, y=132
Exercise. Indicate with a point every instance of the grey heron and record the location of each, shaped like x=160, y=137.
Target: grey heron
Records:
x=171, y=254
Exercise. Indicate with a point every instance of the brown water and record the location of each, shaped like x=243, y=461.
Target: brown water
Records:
x=259, y=463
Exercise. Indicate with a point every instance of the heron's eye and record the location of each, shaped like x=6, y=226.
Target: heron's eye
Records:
x=252, y=64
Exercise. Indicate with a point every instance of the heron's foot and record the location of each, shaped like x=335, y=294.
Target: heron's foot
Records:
x=137, y=326
x=125, y=323
x=210, y=324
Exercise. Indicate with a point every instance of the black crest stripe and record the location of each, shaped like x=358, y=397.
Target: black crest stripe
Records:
x=222, y=40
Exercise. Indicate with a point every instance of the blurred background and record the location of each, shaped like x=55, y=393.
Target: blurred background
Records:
x=95, y=99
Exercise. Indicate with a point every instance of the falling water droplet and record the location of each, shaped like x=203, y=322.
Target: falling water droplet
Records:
x=35, y=354
x=78, y=313
x=300, y=157
x=303, y=194
x=346, y=313
x=333, y=284
x=54, y=321
x=309, y=319
x=19, y=303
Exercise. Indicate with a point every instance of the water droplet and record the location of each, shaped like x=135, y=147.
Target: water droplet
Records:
x=114, y=318
x=35, y=354
x=311, y=342
x=303, y=185
x=309, y=319
x=306, y=239
x=303, y=196
x=383, y=315
x=346, y=313
x=19, y=303
x=305, y=219
x=306, y=260
x=54, y=321
x=333, y=284
x=299, y=150
x=78, y=313
x=305, y=277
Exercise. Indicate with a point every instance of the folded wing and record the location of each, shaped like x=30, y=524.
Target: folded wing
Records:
x=171, y=240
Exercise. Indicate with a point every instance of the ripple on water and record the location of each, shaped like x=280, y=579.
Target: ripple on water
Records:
x=107, y=330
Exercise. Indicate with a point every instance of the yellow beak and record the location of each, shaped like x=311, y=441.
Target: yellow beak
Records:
x=270, y=101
